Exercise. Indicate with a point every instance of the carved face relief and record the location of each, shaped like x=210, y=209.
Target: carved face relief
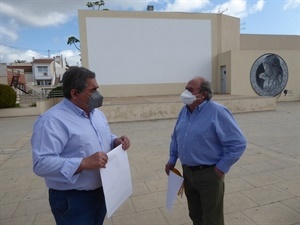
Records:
x=269, y=75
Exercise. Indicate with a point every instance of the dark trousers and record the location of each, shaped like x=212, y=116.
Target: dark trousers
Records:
x=204, y=190
x=74, y=207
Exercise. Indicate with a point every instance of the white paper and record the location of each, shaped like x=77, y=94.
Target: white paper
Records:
x=116, y=179
x=174, y=183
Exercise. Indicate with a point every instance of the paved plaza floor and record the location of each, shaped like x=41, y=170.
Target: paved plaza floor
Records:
x=262, y=188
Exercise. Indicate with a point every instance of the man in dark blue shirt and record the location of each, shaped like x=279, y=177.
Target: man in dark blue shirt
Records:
x=208, y=141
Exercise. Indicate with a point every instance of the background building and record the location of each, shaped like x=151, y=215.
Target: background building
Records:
x=156, y=53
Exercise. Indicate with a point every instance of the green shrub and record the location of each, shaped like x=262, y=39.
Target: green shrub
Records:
x=56, y=93
x=8, y=96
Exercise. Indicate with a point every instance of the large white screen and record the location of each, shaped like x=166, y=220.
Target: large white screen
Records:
x=148, y=51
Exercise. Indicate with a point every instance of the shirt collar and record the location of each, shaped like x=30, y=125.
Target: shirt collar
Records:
x=75, y=108
x=199, y=107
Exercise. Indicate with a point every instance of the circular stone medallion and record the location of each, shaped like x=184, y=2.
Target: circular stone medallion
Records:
x=269, y=75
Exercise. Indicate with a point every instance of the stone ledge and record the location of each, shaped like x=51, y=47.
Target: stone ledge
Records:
x=170, y=110
x=151, y=108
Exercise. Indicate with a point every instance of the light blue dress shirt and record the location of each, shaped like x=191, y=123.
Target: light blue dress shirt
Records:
x=210, y=135
x=61, y=138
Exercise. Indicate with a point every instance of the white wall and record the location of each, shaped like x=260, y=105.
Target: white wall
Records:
x=148, y=51
x=41, y=76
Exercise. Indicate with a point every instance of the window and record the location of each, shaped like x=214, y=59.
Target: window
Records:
x=44, y=82
x=43, y=69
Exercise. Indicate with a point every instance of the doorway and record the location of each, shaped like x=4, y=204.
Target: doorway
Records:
x=223, y=79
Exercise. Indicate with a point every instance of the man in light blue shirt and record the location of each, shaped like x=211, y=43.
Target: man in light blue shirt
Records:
x=208, y=141
x=69, y=146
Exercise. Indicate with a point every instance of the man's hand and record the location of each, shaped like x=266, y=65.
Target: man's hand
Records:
x=219, y=172
x=124, y=140
x=169, y=166
x=95, y=161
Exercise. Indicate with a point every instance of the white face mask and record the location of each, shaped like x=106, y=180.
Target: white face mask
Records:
x=187, y=97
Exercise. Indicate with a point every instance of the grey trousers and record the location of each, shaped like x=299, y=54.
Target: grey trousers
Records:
x=204, y=190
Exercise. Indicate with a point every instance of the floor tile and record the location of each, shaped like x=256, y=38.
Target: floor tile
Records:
x=291, y=186
x=262, y=179
x=237, y=218
x=7, y=210
x=289, y=173
x=267, y=194
x=149, y=217
x=45, y=218
x=24, y=220
x=257, y=167
x=149, y=201
x=273, y=214
x=236, y=202
x=178, y=215
x=236, y=185
x=293, y=203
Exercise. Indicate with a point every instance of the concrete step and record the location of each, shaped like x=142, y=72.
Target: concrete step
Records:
x=167, y=107
x=124, y=109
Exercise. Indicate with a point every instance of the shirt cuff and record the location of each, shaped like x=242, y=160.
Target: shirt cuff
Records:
x=223, y=167
x=69, y=168
x=172, y=160
x=113, y=137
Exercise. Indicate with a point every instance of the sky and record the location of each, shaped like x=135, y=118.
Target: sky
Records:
x=41, y=28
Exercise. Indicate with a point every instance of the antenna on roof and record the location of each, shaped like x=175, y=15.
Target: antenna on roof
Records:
x=242, y=26
x=150, y=8
x=221, y=12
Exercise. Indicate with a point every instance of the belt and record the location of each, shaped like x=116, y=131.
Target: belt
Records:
x=73, y=191
x=200, y=167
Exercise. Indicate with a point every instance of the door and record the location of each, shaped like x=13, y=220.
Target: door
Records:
x=223, y=79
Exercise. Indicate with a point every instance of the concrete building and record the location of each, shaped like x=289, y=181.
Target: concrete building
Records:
x=47, y=72
x=156, y=53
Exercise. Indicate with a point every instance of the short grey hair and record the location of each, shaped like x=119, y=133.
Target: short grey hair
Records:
x=205, y=86
x=75, y=78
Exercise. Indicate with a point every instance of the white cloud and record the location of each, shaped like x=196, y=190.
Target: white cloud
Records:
x=72, y=57
x=137, y=5
x=6, y=32
x=23, y=14
x=9, y=30
x=9, y=54
x=27, y=14
x=258, y=6
x=239, y=8
x=186, y=5
x=291, y=4
x=39, y=18
x=50, y=19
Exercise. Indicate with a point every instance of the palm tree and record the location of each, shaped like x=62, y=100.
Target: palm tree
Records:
x=72, y=41
x=93, y=4
x=20, y=61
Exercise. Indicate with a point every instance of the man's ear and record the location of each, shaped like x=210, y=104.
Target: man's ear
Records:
x=203, y=94
x=74, y=93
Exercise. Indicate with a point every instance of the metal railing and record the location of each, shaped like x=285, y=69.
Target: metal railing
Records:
x=27, y=97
